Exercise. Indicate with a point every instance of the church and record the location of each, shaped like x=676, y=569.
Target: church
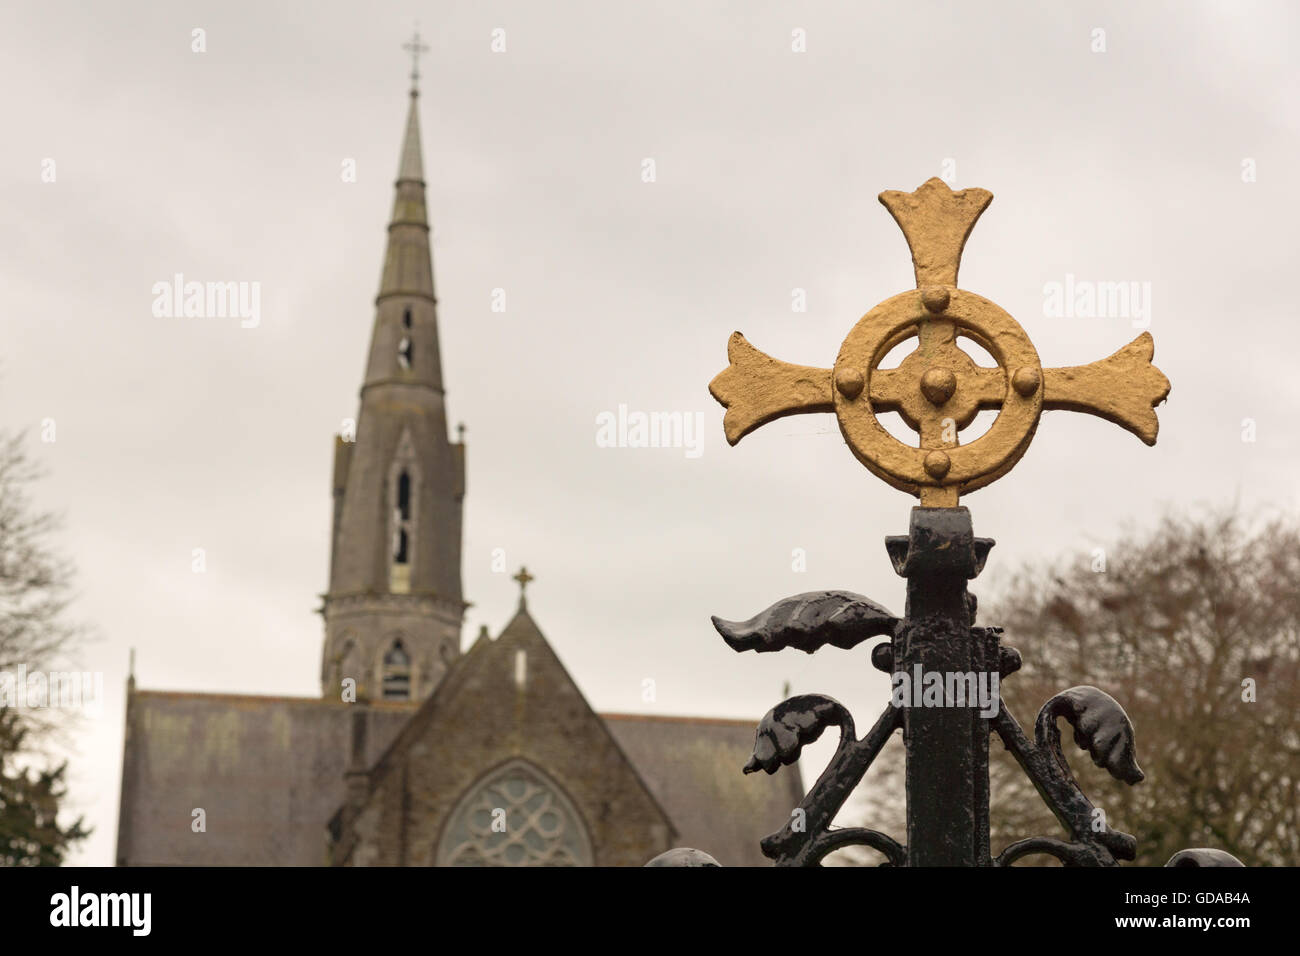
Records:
x=419, y=753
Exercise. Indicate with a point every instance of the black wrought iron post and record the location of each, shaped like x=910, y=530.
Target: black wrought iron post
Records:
x=947, y=747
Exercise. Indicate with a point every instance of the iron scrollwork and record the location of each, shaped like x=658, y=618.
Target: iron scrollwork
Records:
x=938, y=557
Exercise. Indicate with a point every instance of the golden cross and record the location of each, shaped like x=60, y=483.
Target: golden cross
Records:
x=523, y=577
x=938, y=389
x=415, y=48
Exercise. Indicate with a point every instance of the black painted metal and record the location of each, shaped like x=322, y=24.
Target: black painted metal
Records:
x=947, y=747
x=946, y=740
x=808, y=622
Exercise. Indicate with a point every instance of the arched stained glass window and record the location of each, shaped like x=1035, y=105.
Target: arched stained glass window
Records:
x=514, y=816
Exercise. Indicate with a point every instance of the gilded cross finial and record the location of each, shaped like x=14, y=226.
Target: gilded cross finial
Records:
x=415, y=48
x=938, y=389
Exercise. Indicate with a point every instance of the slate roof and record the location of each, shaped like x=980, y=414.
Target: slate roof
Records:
x=266, y=771
x=692, y=765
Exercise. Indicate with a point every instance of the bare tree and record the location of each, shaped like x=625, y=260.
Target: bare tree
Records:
x=35, y=633
x=1195, y=629
x=35, y=583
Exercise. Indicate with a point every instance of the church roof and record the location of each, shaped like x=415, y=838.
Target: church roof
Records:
x=693, y=767
x=266, y=771
x=268, y=774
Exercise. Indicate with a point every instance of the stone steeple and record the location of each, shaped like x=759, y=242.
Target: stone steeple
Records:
x=394, y=608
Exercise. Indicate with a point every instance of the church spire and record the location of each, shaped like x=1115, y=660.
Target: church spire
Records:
x=403, y=350
x=411, y=168
x=394, y=607
x=412, y=164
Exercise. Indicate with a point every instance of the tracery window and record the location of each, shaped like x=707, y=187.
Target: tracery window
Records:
x=515, y=816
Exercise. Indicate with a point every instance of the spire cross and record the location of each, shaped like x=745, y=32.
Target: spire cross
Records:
x=523, y=577
x=415, y=48
x=938, y=389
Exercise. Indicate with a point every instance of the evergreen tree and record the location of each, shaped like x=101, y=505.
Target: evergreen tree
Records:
x=30, y=833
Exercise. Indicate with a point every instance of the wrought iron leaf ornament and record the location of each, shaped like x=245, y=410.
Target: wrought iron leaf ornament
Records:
x=789, y=725
x=1101, y=727
x=810, y=621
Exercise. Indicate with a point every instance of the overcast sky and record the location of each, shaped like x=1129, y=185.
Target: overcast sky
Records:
x=1128, y=165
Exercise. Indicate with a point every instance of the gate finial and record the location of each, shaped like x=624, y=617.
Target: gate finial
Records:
x=938, y=389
